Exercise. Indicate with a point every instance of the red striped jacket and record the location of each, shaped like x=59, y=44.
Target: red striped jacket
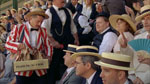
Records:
x=42, y=41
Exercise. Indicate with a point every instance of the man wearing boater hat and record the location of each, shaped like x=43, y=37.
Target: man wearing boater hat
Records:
x=114, y=68
x=142, y=73
x=70, y=77
x=31, y=35
x=85, y=67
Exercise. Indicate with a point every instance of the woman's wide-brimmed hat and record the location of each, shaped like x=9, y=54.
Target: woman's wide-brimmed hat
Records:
x=113, y=21
x=71, y=48
x=86, y=50
x=115, y=61
x=145, y=10
x=38, y=11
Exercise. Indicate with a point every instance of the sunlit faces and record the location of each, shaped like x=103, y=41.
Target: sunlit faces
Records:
x=80, y=67
x=109, y=76
x=101, y=24
x=146, y=22
x=36, y=21
x=68, y=60
x=122, y=25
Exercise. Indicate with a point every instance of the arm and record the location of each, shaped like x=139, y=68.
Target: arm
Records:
x=74, y=30
x=83, y=21
x=48, y=46
x=12, y=43
x=108, y=42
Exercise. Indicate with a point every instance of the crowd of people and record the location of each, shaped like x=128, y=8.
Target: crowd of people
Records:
x=85, y=41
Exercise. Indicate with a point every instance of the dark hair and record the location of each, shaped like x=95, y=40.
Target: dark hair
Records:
x=90, y=59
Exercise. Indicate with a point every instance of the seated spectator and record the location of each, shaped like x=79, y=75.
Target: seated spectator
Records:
x=85, y=67
x=115, y=68
x=70, y=77
x=125, y=26
x=142, y=73
x=106, y=37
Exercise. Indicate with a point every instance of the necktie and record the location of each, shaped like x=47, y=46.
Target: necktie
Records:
x=61, y=8
x=33, y=29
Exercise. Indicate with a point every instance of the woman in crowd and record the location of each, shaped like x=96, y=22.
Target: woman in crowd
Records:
x=125, y=26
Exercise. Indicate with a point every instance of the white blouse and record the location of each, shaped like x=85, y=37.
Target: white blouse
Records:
x=128, y=36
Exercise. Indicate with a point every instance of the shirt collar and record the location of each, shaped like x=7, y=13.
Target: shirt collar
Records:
x=89, y=80
x=105, y=30
x=69, y=69
x=127, y=82
x=28, y=25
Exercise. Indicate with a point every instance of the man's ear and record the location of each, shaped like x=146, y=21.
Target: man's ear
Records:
x=88, y=65
x=121, y=74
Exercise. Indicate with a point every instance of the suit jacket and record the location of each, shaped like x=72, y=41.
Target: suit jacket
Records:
x=96, y=79
x=42, y=43
x=142, y=70
x=72, y=78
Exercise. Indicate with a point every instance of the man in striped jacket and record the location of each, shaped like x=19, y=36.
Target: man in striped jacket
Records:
x=30, y=35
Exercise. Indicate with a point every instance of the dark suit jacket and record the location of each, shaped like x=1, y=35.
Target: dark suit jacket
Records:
x=96, y=79
x=72, y=78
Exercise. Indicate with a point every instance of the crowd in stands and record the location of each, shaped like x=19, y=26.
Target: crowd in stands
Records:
x=86, y=41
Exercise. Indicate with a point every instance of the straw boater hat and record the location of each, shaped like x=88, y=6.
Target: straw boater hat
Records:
x=86, y=50
x=115, y=61
x=145, y=10
x=113, y=21
x=38, y=11
x=71, y=48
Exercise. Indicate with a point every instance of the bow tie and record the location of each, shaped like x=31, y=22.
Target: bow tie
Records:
x=33, y=29
x=61, y=8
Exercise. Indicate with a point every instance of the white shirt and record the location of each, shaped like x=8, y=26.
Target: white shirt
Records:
x=128, y=36
x=83, y=21
x=33, y=35
x=86, y=11
x=108, y=42
x=69, y=70
x=47, y=22
x=89, y=80
x=127, y=82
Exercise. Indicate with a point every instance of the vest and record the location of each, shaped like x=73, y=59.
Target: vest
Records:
x=61, y=33
x=99, y=38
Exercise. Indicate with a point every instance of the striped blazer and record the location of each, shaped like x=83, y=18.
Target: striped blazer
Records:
x=42, y=42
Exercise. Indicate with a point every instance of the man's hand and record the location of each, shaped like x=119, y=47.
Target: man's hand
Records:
x=21, y=46
x=144, y=60
x=138, y=81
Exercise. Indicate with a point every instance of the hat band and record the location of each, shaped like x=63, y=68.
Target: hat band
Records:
x=87, y=50
x=72, y=49
x=148, y=10
x=115, y=62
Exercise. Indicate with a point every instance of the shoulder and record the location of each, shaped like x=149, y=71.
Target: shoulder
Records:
x=111, y=34
x=140, y=35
